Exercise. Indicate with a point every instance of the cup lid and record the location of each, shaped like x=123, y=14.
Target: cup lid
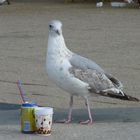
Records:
x=26, y=104
x=43, y=110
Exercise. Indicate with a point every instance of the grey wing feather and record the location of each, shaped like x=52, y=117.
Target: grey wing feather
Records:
x=115, y=81
x=84, y=63
x=97, y=81
x=100, y=84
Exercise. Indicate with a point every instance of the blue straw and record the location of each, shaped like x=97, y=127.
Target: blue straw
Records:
x=21, y=91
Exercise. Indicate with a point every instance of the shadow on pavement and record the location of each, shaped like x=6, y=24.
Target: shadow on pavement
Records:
x=9, y=114
x=102, y=115
x=8, y=106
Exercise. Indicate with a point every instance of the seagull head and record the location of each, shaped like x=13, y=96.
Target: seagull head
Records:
x=55, y=27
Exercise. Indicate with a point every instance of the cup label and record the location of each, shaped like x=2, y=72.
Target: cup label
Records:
x=26, y=126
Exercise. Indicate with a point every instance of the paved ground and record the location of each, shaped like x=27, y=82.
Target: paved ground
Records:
x=108, y=36
x=112, y=124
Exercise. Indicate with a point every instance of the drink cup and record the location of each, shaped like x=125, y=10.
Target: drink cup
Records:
x=27, y=117
x=43, y=120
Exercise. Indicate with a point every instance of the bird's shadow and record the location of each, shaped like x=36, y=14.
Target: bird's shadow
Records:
x=102, y=115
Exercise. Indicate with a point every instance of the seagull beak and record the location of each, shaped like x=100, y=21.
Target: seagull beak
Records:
x=58, y=32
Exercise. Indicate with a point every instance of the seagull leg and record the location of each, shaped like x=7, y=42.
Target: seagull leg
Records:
x=68, y=120
x=70, y=108
x=89, y=121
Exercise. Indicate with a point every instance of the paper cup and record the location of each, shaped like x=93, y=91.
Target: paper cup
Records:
x=43, y=120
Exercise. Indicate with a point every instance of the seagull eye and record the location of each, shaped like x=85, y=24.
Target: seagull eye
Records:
x=50, y=26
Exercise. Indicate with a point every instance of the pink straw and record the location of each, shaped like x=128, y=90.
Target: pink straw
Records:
x=21, y=91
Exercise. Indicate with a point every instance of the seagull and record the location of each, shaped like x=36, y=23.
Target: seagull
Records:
x=78, y=75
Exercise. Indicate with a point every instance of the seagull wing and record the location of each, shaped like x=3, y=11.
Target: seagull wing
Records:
x=115, y=81
x=84, y=63
x=99, y=82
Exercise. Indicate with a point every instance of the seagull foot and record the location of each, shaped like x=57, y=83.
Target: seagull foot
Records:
x=87, y=122
x=66, y=121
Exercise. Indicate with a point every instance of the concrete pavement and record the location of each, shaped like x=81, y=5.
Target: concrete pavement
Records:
x=108, y=36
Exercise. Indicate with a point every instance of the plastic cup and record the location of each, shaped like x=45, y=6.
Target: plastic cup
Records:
x=43, y=120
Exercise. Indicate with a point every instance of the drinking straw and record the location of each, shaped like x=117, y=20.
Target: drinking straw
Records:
x=21, y=91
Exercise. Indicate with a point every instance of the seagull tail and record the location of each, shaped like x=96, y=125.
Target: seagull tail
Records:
x=123, y=97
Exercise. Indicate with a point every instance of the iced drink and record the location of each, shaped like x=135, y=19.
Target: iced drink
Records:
x=43, y=120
